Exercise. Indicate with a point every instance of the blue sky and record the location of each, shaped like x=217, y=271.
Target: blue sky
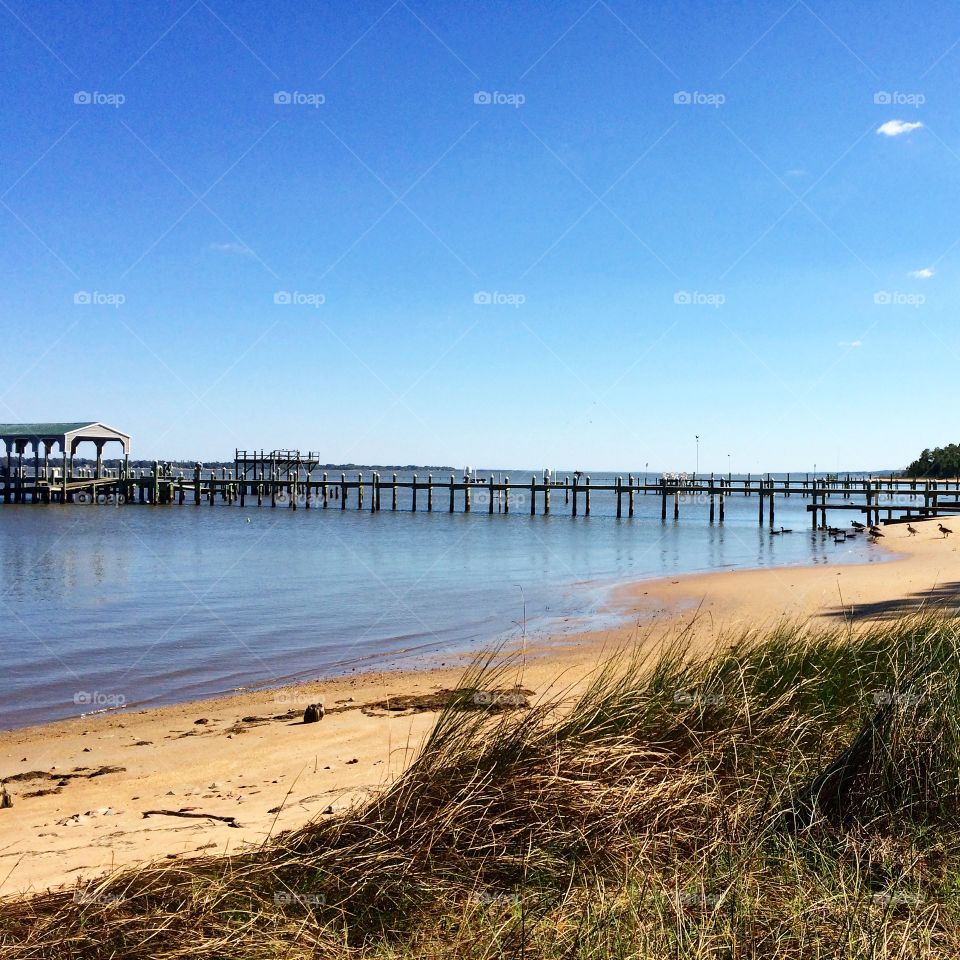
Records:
x=659, y=220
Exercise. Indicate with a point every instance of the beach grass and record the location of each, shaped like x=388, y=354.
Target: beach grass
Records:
x=794, y=793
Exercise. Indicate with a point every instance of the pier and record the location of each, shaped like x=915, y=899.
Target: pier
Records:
x=292, y=479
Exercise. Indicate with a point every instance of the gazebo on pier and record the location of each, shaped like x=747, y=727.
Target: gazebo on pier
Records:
x=44, y=438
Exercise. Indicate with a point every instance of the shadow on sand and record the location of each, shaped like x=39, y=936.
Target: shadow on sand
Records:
x=943, y=598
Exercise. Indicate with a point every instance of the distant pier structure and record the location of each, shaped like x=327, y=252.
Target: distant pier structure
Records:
x=293, y=478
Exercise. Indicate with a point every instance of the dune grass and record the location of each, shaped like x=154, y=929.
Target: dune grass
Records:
x=794, y=794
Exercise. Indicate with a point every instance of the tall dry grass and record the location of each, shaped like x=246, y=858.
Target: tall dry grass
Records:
x=796, y=794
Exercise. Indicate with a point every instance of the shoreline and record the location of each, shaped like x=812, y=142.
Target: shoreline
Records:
x=81, y=786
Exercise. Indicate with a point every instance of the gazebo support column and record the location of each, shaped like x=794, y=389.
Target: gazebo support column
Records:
x=36, y=472
x=7, y=478
x=19, y=488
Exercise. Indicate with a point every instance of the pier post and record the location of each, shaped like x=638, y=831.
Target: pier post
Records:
x=722, y=499
x=630, y=495
x=676, y=502
x=451, y=493
x=760, y=500
x=413, y=495
x=663, y=499
x=586, y=508
x=490, y=504
x=393, y=502
x=324, y=491
x=466, y=494
x=359, y=491
x=772, y=494
x=533, y=496
x=713, y=503
x=506, y=494
x=619, y=491
x=566, y=490
x=196, y=485
x=546, y=496
x=573, y=512
x=429, y=493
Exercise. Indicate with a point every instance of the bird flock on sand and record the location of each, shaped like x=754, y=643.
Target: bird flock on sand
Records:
x=873, y=532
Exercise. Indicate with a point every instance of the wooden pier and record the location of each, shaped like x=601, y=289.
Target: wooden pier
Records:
x=293, y=480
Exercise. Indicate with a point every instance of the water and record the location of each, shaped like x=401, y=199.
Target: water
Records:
x=142, y=605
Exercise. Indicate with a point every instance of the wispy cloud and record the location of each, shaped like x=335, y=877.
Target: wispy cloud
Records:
x=796, y=172
x=924, y=273
x=850, y=344
x=231, y=248
x=894, y=128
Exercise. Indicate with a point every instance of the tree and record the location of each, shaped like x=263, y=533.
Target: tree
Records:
x=937, y=463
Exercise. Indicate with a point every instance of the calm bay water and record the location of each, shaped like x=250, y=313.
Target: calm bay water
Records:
x=146, y=605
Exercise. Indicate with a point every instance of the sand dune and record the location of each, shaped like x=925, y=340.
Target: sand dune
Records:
x=81, y=788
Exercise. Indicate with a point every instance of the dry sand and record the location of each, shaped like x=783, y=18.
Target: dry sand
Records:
x=80, y=787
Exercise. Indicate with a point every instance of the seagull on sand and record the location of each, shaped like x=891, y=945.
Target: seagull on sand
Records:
x=946, y=531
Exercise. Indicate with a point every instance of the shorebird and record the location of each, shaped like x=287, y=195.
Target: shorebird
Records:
x=946, y=531
x=911, y=530
x=857, y=525
x=876, y=532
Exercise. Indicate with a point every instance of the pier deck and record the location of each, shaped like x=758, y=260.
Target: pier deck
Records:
x=290, y=479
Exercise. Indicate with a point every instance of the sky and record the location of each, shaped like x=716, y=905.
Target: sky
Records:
x=577, y=234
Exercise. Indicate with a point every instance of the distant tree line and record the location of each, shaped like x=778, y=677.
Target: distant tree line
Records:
x=937, y=463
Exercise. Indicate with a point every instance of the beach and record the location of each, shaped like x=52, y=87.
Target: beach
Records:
x=109, y=790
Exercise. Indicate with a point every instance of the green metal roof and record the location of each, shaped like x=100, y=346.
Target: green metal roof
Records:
x=27, y=430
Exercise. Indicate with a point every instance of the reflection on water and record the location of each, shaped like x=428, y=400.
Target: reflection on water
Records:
x=154, y=605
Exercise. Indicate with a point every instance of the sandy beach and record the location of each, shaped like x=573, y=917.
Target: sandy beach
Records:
x=99, y=792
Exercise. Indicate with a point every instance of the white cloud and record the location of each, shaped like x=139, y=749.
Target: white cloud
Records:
x=925, y=274
x=230, y=248
x=893, y=128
